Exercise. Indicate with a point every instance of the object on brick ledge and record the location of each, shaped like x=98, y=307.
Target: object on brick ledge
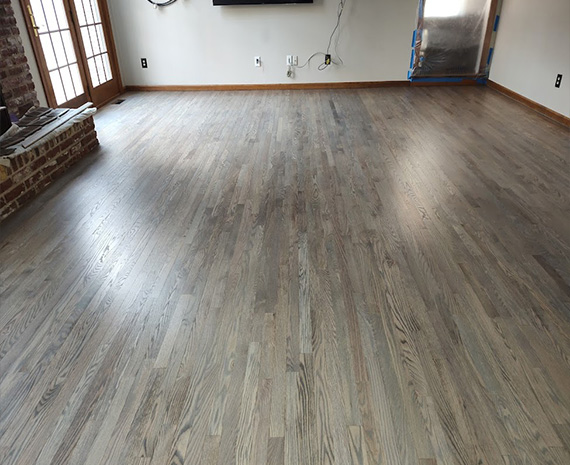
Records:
x=5, y=122
x=45, y=153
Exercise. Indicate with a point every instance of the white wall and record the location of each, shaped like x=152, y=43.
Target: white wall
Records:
x=533, y=46
x=193, y=43
x=29, y=51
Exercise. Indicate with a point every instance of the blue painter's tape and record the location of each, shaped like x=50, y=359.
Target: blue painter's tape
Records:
x=437, y=79
x=496, y=25
x=412, y=59
x=444, y=79
x=490, y=55
x=414, y=38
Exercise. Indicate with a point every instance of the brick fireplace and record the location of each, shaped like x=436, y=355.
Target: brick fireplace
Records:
x=15, y=78
x=43, y=143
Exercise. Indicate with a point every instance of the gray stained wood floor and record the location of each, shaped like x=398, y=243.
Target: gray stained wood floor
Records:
x=295, y=278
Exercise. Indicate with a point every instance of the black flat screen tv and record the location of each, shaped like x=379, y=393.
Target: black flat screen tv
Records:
x=257, y=2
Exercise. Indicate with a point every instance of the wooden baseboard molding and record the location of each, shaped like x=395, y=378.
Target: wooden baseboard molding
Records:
x=545, y=111
x=287, y=86
x=298, y=86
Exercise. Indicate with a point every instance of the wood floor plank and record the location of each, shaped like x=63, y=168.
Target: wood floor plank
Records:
x=327, y=277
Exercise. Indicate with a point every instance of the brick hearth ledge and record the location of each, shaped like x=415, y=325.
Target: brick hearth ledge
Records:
x=30, y=169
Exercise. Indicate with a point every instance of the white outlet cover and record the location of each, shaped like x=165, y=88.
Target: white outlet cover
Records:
x=257, y=61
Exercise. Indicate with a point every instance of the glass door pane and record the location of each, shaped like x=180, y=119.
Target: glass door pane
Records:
x=94, y=44
x=50, y=24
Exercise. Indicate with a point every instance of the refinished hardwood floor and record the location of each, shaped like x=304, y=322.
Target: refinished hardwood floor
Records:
x=357, y=277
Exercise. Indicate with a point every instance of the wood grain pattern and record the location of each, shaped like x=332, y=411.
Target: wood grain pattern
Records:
x=320, y=277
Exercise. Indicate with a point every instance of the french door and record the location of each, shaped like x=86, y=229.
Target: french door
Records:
x=73, y=45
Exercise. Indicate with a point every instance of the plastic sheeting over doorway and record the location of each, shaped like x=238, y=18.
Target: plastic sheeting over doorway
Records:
x=450, y=38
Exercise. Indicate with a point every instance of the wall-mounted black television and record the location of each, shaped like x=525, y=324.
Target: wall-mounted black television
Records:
x=257, y=2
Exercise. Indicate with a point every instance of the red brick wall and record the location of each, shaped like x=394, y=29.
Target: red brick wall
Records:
x=15, y=78
x=34, y=170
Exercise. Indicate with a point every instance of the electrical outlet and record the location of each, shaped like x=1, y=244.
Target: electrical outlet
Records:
x=292, y=60
x=558, y=81
x=144, y=64
x=257, y=61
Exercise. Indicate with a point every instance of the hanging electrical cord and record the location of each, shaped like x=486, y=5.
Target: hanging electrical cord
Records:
x=310, y=58
x=165, y=3
x=340, y=10
x=328, y=59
